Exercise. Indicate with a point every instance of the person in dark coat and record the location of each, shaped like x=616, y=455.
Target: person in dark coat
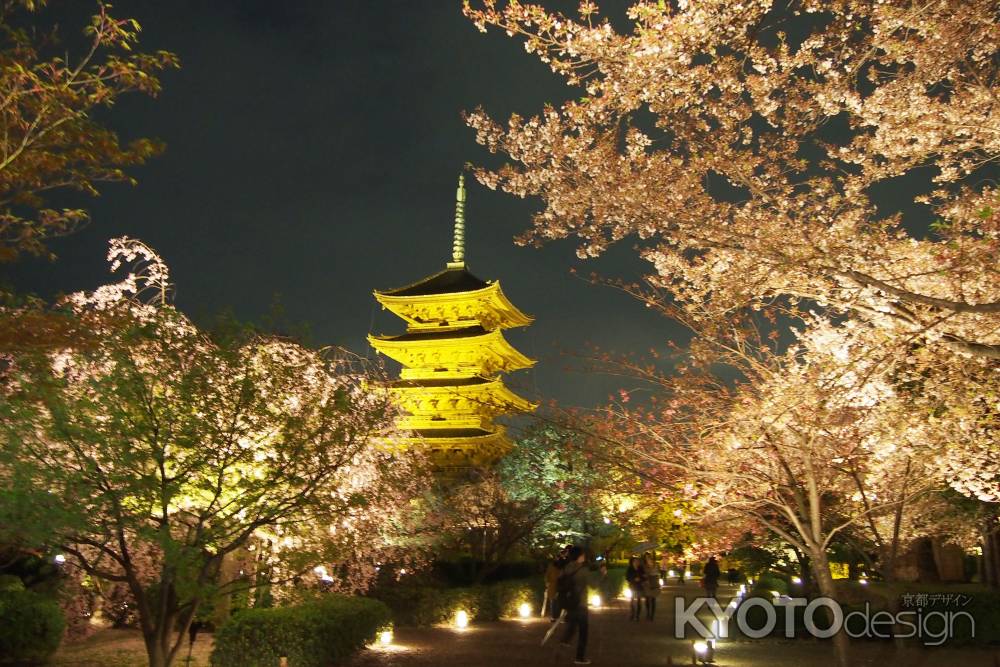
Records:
x=711, y=578
x=573, y=599
x=634, y=579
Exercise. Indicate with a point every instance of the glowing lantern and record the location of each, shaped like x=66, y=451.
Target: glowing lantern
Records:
x=524, y=610
x=461, y=619
x=385, y=637
x=595, y=600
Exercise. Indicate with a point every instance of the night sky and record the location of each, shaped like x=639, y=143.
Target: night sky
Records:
x=312, y=155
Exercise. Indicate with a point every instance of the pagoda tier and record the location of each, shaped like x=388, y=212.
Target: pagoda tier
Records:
x=456, y=353
x=452, y=353
x=469, y=404
x=461, y=448
x=453, y=298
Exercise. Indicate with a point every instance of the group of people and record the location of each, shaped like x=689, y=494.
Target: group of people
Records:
x=643, y=579
x=567, y=578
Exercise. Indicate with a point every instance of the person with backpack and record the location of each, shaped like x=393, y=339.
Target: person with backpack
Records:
x=573, y=600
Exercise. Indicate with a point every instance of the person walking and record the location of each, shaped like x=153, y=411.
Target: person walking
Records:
x=650, y=584
x=634, y=579
x=711, y=577
x=552, y=573
x=573, y=599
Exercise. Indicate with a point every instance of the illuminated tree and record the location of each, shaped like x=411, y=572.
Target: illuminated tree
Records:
x=539, y=497
x=51, y=141
x=742, y=142
x=156, y=454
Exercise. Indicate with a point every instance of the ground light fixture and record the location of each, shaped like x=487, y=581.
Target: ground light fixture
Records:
x=687, y=574
x=524, y=611
x=60, y=559
x=461, y=619
x=385, y=637
x=796, y=580
x=703, y=652
x=671, y=574
x=595, y=600
x=661, y=582
x=627, y=593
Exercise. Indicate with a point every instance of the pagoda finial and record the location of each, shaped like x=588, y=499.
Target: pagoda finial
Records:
x=458, y=244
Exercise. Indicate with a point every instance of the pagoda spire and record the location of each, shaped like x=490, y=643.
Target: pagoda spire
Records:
x=458, y=243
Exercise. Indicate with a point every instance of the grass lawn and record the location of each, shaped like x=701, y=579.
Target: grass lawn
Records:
x=123, y=648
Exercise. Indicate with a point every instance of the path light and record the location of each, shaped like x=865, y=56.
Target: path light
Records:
x=627, y=593
x=671, y=574
x=661, y=582
x=863, y=582
x=60, y=559
x=385, y=637
x=704, y=652
x=687, y=574
x=595, y=600
x=607, y=519
x=743, y=589
x=524, y=610
x=461, y=619
x=796, y=580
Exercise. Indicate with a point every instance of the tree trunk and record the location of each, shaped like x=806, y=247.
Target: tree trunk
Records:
x=154, y=650
x=821, y=571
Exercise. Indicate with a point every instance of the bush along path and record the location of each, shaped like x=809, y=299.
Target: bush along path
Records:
x=617, y=642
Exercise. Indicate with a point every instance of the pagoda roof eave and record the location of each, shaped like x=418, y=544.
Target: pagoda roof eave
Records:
x=446, y=281
x=494, y=387
x=513, y=316
x=387, y=344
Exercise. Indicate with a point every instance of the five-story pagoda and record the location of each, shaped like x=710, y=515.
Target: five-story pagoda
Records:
x=452, y=354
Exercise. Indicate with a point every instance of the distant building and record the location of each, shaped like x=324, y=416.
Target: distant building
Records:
x=453, y=353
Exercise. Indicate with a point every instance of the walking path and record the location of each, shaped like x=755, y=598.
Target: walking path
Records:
x=617, y=642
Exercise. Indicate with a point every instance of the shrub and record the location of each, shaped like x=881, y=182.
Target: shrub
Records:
x=425, y=605
x=31, y=627
x=313, y=634
x=767, y=582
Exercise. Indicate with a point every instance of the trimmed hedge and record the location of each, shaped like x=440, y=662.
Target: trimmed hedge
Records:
x=31, y=627
x=313, y=634
x=425, y=605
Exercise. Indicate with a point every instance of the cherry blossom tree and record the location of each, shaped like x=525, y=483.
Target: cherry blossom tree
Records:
x=51, y=140
x=741, y=144
x=159, y=454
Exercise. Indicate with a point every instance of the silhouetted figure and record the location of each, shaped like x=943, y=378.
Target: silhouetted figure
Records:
x=573, y=599
x=650, y=585
x=634, y=579
x=711, y=577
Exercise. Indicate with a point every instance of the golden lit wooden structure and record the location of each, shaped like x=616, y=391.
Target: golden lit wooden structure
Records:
x=453, y=353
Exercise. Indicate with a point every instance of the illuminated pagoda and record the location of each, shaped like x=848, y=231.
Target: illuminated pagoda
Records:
x=453, y=353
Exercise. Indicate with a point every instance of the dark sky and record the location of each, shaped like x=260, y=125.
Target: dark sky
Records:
x=312, y=153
